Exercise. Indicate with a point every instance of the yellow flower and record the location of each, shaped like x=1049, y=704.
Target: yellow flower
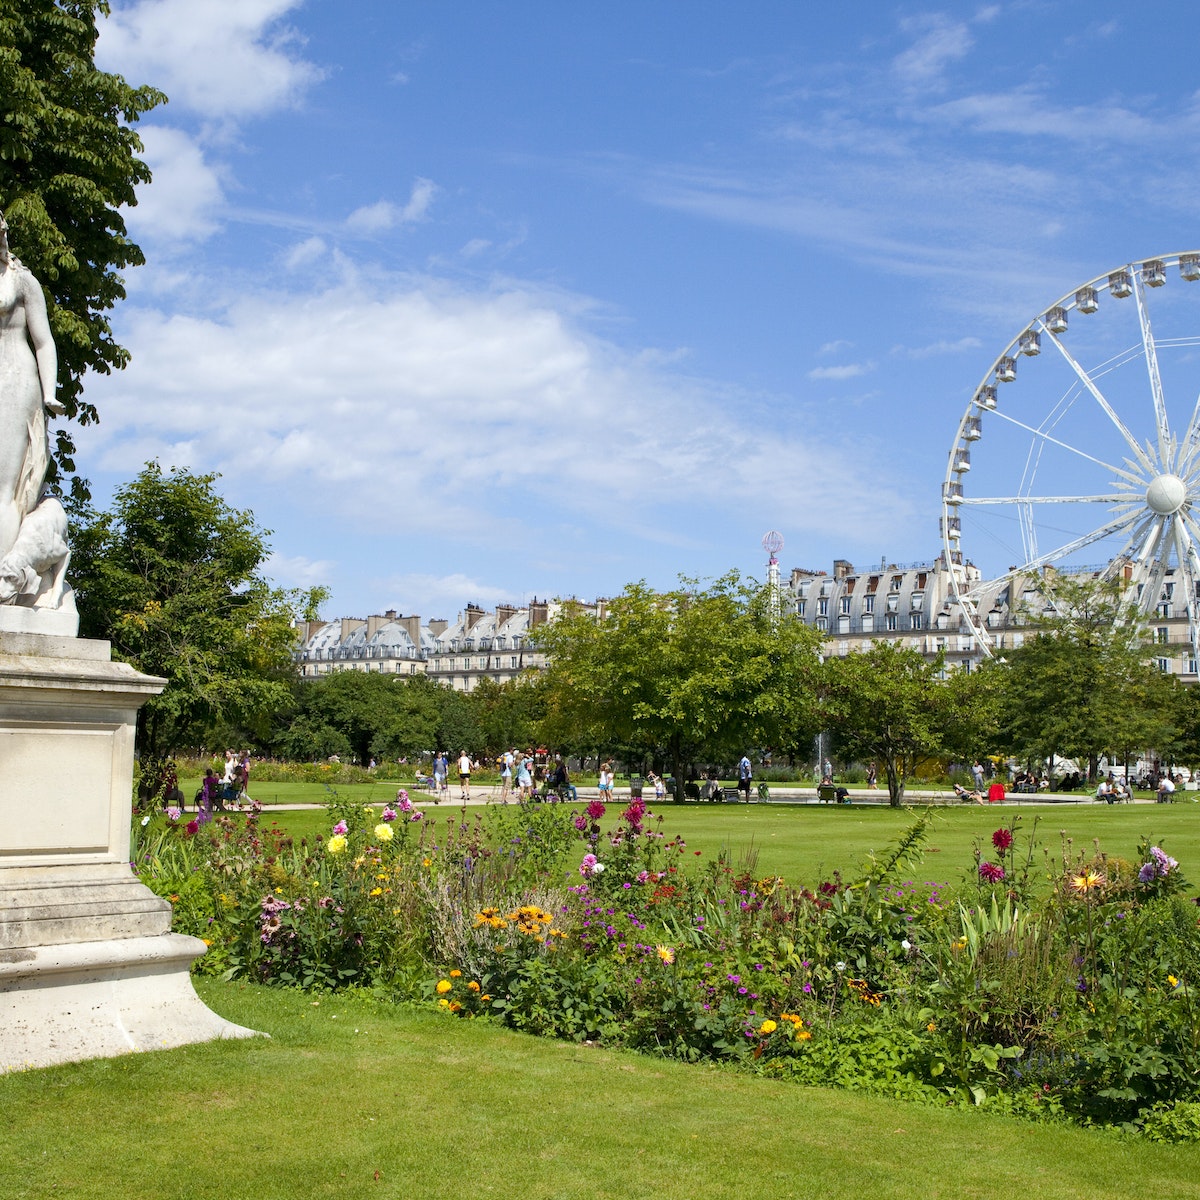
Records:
x=666, y=954
x=336, y=844
x=473, y=986
x=384, y=832
x=382, y=876
x=931, y=1026
x=803, y=1035
x=443, y=986
x=1173, y=981
x=377, y=891
x=958, y=944
x=443, y=1003
x=455, y=973
x=484, y=997
x=767, y=1027
x=455, y=1006
x=426, y=862
x=1087, y=881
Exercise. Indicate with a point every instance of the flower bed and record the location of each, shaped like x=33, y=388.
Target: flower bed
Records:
x=1054, y=986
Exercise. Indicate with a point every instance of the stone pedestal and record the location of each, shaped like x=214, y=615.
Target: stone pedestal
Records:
x=88, y=965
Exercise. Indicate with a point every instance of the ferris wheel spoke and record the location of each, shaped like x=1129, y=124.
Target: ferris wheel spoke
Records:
x=1156, y=390
x=1122, y=498
x=1155, y=552
x=1098, y=534
x=1191, y=442
x=1045, y=437
x=1189, y=570
x=1138, y=452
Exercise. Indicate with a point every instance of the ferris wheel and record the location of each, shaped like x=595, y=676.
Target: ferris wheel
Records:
x=1080, y=451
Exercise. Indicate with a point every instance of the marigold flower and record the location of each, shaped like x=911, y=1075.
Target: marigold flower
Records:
x=443, y=1003
x=473, y=986
x=484, y=997
x=932, y=1026
x=455, y=973
x=767, y=1027
x=455, y=1006
x=803, y=1035
x=336, y=844
x=443, y=986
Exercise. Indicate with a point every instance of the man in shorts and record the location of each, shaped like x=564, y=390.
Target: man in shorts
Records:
x=464, y=775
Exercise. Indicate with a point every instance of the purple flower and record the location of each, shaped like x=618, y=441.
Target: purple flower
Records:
x=1148, y=873
x=1162, y=861
x=389, y=813
x=417, y=816
x=990, y=872
x=341, y=828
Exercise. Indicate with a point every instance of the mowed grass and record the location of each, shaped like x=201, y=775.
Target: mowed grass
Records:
x=805, y=843
x=350, y=1099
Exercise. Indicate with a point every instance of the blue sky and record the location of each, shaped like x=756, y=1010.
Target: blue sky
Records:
x=474, y=302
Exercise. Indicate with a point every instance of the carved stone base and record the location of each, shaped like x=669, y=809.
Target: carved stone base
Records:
x=95, y=999
x=88, y=966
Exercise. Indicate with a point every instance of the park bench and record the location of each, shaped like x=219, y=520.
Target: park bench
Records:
x=827, y=793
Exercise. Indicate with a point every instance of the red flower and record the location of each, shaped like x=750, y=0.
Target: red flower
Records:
x=595, y=810
x=1002, y=839
x=990, y=872
x=192, y=826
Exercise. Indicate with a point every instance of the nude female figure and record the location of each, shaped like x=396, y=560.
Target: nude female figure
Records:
x=28, y=377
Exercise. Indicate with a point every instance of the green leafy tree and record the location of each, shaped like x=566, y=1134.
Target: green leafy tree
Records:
x=1082, y=684
x=509, y=714
x=68, y=164
x=171, y=575
x=888, y=703
x=687, y=675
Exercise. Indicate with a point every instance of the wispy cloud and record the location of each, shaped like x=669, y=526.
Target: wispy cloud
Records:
x=848, y=371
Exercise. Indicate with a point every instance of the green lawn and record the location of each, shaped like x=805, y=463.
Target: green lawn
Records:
x=804, y=843
x=350, y=1099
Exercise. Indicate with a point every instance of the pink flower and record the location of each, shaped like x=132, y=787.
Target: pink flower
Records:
x=405, y=804
x=595, y=810
x=1002, y=839
x=341, y=828
x=389, y=813
x=990, y=872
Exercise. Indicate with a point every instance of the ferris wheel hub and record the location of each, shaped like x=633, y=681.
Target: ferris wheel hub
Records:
x=1166, y=494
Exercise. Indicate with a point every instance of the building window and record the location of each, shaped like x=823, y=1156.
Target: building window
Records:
x=918, y=599
x=1161, y=635
x=845, y=602
x=800, y=608
x=513, y=661
x=890, y=622
x=1164, y=610
x=822, y=607
x=868, y=624
x=1164, y=665
x=843, y=624
x=821, y=623
x=916, y=620
x=843, y=649
x=869, y=604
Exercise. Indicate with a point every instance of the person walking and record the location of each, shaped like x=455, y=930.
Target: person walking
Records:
x=464, y=776
x=525, y=775
x=441, y=768
x=745, y=775
x=506, y=774
x=606, y=782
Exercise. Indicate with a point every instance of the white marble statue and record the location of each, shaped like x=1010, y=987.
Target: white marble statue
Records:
x=33, y=525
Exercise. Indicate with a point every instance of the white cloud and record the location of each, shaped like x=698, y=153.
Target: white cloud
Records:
x=297, y=571
x=941, y=42
x=185, y=196
x=219, y=58
x=444, y=596
x=384, y=215
x=478, y=416
x=849, y=371
x=835, y=347
x=939, y=348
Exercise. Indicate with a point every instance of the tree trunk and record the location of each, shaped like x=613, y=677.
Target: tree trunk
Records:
x=895, y=781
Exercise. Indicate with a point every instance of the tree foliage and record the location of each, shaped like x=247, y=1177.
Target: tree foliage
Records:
x=686, y=675
x=68, y=163
x=1082, y=685
x=171, y=575
x=888, y=703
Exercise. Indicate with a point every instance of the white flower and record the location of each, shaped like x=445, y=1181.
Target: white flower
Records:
x=906, y=944
x=146, y=820
x=598, y=868
x=841, y=966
